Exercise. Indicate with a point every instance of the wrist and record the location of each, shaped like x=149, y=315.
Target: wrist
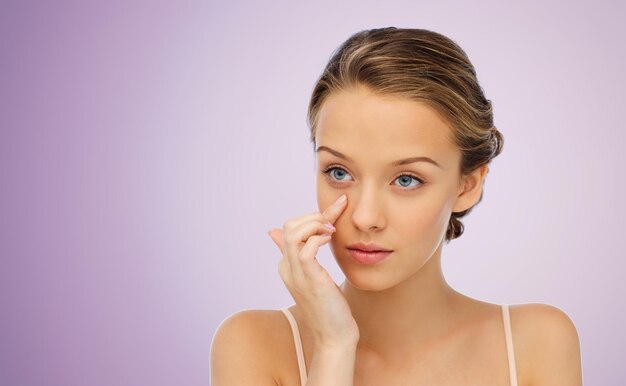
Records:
x=337, y=346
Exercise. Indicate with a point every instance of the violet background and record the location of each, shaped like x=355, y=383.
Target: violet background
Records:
x=147, y=146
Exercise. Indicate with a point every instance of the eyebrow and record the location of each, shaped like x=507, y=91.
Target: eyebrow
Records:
x=394, y=163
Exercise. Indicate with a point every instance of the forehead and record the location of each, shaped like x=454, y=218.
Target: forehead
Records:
x=359, y=121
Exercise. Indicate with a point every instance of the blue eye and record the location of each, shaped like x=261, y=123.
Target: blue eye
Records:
x=335, y=174
x=340, y=175
x=406, y=178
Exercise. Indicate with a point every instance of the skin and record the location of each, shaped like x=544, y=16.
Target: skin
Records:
x=411, y=324
x=407, y=292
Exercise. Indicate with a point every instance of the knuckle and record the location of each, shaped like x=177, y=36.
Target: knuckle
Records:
x=302, y=256
x=291, y=238
x=321, y=217
x=318, y=216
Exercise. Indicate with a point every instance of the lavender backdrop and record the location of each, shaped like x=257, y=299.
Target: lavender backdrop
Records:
x=147, y=146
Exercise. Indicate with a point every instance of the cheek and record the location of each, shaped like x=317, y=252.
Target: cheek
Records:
x=325, y=196
x=424, y=218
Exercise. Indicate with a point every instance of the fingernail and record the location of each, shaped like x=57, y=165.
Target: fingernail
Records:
x=330, y=226
x=341, y=199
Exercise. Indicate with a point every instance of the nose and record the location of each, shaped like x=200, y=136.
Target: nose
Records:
x=368, y=212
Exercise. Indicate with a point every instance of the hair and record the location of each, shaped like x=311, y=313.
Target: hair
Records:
x=425, y=66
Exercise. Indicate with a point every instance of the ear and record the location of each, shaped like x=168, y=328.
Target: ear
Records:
x=470, y=189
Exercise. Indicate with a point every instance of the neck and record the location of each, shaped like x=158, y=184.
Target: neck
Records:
x=396, y=320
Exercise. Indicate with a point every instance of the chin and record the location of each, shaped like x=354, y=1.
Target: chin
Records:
x=367, y=281
x=362, y=277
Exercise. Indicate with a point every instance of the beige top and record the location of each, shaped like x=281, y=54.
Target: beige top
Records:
x=507, y=334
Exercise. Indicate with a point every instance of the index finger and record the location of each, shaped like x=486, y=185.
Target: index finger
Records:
x=334, y=210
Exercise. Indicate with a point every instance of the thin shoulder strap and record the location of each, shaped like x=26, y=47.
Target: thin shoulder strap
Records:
x=298, y=342
x=509, y=344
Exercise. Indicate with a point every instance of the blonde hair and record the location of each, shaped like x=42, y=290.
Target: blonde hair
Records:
x=424, y=66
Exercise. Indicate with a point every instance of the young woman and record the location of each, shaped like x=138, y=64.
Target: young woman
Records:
x=403, y=136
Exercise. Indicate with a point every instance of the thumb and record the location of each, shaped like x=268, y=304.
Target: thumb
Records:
x=277, y=236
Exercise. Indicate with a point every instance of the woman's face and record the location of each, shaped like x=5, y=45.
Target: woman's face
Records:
x=404, y=208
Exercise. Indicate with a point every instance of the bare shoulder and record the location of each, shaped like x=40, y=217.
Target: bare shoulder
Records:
x=547, y=345
x=242, y=349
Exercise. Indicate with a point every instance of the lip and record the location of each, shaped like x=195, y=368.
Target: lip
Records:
x=371, y=247
x=368, y=258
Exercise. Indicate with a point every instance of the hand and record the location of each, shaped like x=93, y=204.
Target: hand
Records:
x=319, y=298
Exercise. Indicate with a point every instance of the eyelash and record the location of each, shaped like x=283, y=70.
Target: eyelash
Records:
x=333, y=167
